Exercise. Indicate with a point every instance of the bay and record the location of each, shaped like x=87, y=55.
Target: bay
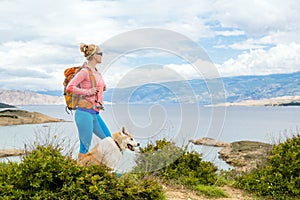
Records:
x=176, y=122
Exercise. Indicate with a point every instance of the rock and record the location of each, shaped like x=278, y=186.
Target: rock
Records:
x=245, y=155
x=209, y=142
x=15, y=117
x=11, y=152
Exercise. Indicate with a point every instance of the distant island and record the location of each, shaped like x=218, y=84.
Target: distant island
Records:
x=3, y=105
x=15, y=117
x=277, y=101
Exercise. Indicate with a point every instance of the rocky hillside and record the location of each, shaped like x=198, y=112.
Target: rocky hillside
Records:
x=228, y=89
x=17, y=97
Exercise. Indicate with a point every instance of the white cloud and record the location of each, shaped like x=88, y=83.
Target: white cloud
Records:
x=279, y=59
x=230, y=33
x=257, y=17
x=198, y=70
x=38, y=39
x=248, y=44
x=120, y=75
x=126, y=77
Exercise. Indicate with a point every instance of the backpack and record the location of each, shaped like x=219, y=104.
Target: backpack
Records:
x=72, y=100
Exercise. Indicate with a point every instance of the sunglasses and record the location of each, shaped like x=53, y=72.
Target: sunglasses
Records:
x=99, y=53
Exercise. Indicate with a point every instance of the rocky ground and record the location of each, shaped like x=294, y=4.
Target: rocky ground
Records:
x=245, y=155
x=175, y=193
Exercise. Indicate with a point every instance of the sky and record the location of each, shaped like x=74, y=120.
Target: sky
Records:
x=39, y=39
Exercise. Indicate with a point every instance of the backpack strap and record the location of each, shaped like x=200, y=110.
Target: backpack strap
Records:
x=93, y=84
x=92, y=77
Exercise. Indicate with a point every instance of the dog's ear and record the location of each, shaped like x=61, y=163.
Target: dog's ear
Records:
x=124, y=131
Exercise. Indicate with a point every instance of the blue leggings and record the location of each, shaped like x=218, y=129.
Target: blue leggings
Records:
x=87, y=123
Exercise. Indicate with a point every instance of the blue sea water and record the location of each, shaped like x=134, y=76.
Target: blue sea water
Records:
x=179, y=123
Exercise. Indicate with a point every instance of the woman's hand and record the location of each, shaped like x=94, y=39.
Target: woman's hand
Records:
x=94, y=90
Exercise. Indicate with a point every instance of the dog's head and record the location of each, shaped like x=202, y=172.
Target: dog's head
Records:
x=125, y=140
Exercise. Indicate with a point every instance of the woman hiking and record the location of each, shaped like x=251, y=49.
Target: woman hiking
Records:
x=89, y=83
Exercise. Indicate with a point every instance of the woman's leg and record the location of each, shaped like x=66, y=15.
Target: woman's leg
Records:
x=84, y=123
x=100, y=128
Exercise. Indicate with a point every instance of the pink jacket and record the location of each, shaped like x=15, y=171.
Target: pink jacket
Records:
x=82, y=78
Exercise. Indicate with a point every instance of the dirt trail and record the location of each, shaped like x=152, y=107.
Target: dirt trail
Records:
x=175, y=193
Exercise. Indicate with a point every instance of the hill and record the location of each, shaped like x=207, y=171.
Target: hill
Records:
x=229, y=89
x=17, y=97
x=206, y=92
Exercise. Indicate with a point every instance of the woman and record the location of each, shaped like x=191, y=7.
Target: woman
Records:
x=89, y=84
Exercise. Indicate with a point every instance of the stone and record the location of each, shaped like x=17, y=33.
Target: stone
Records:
x=209, y=142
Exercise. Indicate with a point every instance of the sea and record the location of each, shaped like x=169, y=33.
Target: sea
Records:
x=148, y=123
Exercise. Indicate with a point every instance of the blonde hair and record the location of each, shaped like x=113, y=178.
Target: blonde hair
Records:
x=88, y=50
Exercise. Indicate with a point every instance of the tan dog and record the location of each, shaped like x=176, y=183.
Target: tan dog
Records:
x=109, y=150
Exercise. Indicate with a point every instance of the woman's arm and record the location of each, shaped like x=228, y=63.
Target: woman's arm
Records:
x=73, y=85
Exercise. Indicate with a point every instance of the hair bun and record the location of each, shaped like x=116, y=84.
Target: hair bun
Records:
x=85, y=49
x=88, y=50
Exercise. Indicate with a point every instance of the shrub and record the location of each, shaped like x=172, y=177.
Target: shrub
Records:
x=152, y=158
x=45, y=174
x=280, y=177
x=175, y=165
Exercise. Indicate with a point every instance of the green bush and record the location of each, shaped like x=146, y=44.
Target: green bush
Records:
x=175, y=165
x=152, y=158
x=280, y=176
x=46, y=174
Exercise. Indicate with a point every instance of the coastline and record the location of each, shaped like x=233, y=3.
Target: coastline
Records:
x=242, y=155
x=16, y=117
x=276, y=101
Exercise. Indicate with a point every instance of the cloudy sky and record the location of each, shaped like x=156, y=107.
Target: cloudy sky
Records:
x=39, y=39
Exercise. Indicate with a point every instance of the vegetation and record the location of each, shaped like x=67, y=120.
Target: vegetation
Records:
x=210, y=191
x=46, y=174
x=177, y=166
x=279, y=177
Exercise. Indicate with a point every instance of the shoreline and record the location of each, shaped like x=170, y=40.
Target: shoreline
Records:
x=11, y=117
x=276, y=101
x=242, y=155
x=4, y=153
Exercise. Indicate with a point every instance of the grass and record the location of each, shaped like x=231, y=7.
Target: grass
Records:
x=210, y=191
